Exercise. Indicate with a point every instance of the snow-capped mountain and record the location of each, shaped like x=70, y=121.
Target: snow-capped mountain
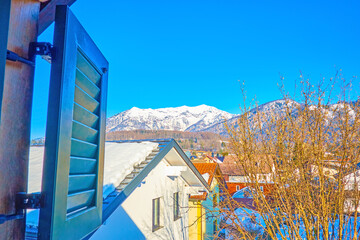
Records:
x=191, y=119
x=269, y=109
x=280, y=107
x=205, y=118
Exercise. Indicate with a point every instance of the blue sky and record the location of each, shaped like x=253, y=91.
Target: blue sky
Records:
x=175, y=53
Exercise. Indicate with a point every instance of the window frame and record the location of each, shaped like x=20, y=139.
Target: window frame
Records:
x=238, y=188
x=176, y=207
x=215, y=227
x=156, y=214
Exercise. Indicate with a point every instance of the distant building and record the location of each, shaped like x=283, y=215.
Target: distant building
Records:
x=207, y=159
x=237, y=179
x=204, y=218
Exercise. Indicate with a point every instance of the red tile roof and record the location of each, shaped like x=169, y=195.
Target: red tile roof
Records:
x=209, y=168
x=202, y=196
x=231, y=167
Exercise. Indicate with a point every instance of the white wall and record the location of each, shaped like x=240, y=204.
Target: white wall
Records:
x=133, y=220
x=352, y=181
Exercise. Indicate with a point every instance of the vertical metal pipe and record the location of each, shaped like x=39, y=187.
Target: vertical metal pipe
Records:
x=16, y=113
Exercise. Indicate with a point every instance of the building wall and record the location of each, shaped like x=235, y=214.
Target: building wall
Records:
x=211, y=211
x=202, y=215
x=133, y=220
x=197, y=221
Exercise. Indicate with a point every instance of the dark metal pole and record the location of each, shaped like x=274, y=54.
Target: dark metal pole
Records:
x=16, y=112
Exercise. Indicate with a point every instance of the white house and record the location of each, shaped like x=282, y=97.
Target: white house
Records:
x=146, y=190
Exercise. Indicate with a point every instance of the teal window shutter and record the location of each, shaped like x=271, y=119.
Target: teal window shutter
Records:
x=4, y=20
x=75, y=134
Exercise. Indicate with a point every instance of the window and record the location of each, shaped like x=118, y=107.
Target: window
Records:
x=262, y=188
x=176, y=206
x=237, y=187
x=215, y=200
x=215, y=227
x=156, y=214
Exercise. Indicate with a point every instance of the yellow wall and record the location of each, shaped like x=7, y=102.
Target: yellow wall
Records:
x=196, y=221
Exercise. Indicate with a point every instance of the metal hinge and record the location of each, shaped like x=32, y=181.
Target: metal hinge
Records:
x=24, y=201
x=43, y=49
x=29, y=200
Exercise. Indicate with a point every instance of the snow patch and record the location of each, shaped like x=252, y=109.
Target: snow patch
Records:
x=206, y=176
x=120, y=159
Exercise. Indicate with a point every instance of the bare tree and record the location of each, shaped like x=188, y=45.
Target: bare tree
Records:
x=312, y=148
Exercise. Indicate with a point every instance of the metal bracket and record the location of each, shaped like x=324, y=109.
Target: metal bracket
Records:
x=29, y=200
x=24, y=201
x=14, y=57
x=43, y=49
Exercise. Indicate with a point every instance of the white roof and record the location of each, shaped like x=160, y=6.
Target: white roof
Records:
x=120, y=159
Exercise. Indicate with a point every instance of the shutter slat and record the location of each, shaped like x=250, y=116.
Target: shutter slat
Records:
x=85, y=100
x=81, y=182
x=86, y=84
x=83, y=149
x=86, y=68
x=79, y=200
x=84, y=116
x=75, y=134
x=84, y=133
x=82, y=165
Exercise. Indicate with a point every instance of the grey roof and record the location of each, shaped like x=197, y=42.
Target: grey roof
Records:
x=134, y=179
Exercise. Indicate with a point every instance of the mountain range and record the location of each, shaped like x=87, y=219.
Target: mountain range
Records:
x=188, y=119
x=137, y=123
x=201, y=118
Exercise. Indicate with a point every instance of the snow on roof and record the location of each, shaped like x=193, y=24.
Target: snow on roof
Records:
x=206, y=176
x=120, y=159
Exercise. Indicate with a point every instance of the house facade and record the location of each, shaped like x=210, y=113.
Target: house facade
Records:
x=155, y=199
x=236, y=178
x=204, y=222
x=146, y=191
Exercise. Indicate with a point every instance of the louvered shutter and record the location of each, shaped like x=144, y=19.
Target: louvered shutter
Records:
x=4, y=20
x=75, y=133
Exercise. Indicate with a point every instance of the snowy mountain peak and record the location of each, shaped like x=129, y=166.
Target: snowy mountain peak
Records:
x=182, y=118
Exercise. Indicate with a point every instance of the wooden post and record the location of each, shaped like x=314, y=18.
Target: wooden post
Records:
x=16, y=114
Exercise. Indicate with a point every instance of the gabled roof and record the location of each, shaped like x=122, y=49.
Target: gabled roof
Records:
x=165, y=146
x=209, y=171
x=230, y=167
x=117, y=194
x=208, y=168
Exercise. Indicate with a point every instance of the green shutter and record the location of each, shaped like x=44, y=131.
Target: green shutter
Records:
x=4, y=20
x=75, y=134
